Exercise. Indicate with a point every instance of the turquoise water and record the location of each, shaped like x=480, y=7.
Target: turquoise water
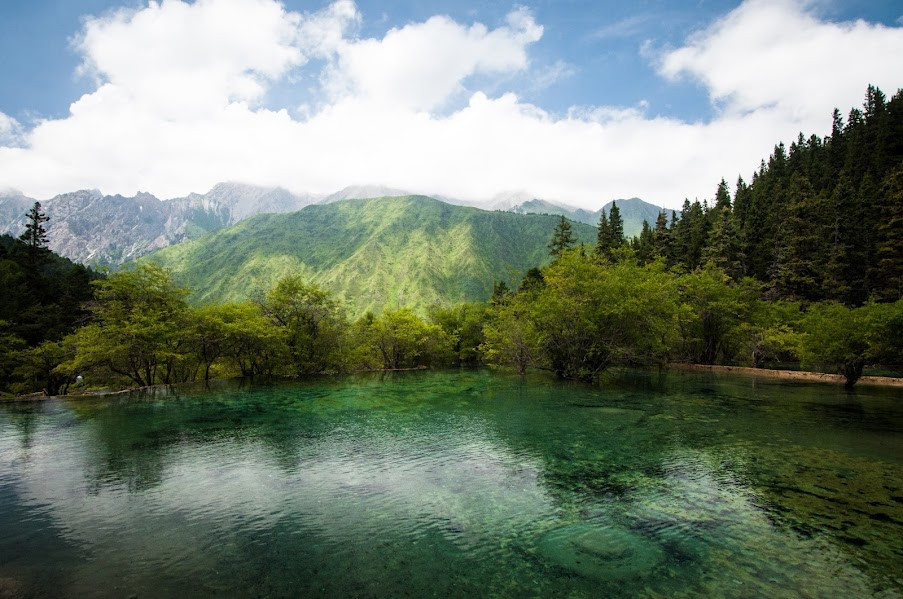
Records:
x=457, y=484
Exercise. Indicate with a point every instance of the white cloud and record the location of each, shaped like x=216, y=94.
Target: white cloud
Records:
x=10, y=130
x=552, y=74
x=771, y=54
x=422, y=65
x=178, y=105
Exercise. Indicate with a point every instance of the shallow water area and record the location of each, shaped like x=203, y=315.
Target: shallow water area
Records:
x=457, y=483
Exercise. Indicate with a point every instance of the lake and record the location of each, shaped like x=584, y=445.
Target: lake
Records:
x=457, y=483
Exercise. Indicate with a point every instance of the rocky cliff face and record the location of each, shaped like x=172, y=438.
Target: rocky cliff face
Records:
x=92, y=228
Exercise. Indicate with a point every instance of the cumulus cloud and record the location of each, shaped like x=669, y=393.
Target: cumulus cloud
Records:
x=421, y=65
x=10, y=130
x=180, y=91
x=771, y=54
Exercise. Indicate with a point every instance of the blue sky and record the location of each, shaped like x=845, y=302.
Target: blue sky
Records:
x=603, y=66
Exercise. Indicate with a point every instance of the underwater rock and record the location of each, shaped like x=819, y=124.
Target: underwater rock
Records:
x=605, y=553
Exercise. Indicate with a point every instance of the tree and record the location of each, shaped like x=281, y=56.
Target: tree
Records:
x=313, y=323
x=463, y=325
x=591, y=315
x=890, y=244
x=252, y=340
x=401, y=339
x=713, y=310
x=722, y=196
x=797, y=272
x=562, y=238
x=140, y=319
x=604, y=241
x=532, y=282
x=616, y=223
x=837, y=338
x=500, y=293
x=35, y=235
x=723, y=249
x=511, y=338
x=661, y=238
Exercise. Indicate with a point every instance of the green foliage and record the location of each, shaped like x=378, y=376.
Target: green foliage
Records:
x=42, y=300
x=35, y=235
x=836, y=337
x=510, y=336
x=773, y=333
x=714, y=309
x=590, y=315
x=562, y=238
x=139, y=329
x=463, y=325
x=313, y=323
x=400, y=339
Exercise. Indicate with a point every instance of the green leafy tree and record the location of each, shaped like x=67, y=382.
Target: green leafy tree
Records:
x=140, y=319
x=39, y=368
x=463, y=326
x=836, y=337
x=313, y=323
x=511, y=337
x=714, y=310
x=590, y=316
x=253, y=342
x=401, y=339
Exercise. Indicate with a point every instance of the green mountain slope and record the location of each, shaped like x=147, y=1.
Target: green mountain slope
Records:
x=373, y=254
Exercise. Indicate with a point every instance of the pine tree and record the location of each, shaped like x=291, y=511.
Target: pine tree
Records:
x=562, y=239
x=890, y=244
x=35, y=235
x=723, y=248
x=661, y=238
x=722, y=196
x=616, y=223
x=603, y=236
x=840, y=274
x=796, y=273
x=644, y=246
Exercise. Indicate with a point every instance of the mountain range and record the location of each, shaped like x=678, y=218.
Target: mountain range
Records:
x=101, y=230
x=372, y=254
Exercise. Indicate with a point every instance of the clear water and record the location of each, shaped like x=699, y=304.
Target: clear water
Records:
x=457, y=484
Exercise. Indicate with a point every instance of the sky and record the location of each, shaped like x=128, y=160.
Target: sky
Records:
x=574, y=101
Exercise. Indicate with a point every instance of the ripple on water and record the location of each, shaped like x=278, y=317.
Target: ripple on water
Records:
x=605, y=553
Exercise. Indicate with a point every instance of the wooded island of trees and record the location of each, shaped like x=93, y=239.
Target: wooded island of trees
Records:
x=802, y=266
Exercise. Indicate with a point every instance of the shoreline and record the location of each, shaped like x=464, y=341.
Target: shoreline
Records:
x=787, y=375
x=790, y=375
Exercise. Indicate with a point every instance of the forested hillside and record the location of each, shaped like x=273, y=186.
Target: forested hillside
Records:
x=372, y=254
x=43, y=297
x=820, y=220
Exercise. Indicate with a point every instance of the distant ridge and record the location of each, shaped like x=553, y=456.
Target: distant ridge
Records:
x=92, y=228
x=373, y=253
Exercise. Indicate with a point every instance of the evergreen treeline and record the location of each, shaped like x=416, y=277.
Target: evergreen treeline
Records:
x=43, y=298
x=820, y=220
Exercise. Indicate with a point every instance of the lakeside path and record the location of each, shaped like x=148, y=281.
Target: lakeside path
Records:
x=791, y=375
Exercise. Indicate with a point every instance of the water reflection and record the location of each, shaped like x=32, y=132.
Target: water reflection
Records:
x=457, y=483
